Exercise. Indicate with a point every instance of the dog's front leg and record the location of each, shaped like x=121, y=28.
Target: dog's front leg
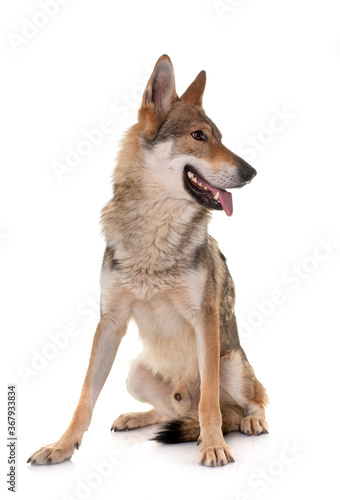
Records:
x=214, y=450
x=109, y=333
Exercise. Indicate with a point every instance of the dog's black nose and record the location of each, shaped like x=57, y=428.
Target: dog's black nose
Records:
x=247, y=173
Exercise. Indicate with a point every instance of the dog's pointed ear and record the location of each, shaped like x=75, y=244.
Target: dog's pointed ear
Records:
x=194, y=93
x=159, y=95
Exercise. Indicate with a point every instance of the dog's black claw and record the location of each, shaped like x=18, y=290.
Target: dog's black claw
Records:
x=212, y=463
x=28, y=461
x=49, y=461
x=202, y=461
x=76, y=445
x=33, y=462
x=248, y=433
x=258, y=433
x=221, y=463
x=231, y=459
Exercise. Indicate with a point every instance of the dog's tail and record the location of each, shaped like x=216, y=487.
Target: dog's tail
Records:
x=187, y=428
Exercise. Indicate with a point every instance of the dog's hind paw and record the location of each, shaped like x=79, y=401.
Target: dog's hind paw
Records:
x=135, y=420
x=253, y=426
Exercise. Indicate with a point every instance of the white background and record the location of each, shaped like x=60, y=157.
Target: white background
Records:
x=261, y=58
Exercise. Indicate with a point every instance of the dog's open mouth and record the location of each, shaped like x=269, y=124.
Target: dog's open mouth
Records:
x=209, y=196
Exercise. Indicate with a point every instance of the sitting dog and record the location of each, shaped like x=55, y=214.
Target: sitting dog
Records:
x=161, y=268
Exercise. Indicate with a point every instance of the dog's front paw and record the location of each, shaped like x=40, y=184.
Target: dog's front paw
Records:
x=216, y=455
x=54, y=453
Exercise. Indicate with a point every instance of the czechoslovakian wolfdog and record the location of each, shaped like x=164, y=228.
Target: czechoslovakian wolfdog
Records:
x=163, y=269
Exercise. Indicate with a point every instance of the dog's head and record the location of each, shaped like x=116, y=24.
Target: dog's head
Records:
x=183, y=148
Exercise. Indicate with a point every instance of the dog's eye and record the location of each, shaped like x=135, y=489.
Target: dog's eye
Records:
x=199, y=135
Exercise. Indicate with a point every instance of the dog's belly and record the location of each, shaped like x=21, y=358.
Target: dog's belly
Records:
x=169, y=346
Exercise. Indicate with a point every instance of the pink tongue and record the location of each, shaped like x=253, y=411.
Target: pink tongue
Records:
x=225, y=199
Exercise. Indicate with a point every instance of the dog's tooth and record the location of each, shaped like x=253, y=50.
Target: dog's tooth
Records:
x=217, y=195
x=205, y=188
x=200, y=184
x=190, y=174
x=194, y=179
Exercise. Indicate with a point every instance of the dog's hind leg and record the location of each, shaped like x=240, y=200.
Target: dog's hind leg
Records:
x=255, y=420
x=149, y=388
x=238, y=385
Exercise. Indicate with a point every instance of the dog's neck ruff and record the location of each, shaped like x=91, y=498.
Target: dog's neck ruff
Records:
x=155, y=241
x=158, y=232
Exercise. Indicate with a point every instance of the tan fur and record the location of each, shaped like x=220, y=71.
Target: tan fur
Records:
x=161, y=268
x=194, y=93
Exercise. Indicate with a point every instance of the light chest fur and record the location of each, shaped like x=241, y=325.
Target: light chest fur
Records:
x=169, y=346
x=153, y=241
